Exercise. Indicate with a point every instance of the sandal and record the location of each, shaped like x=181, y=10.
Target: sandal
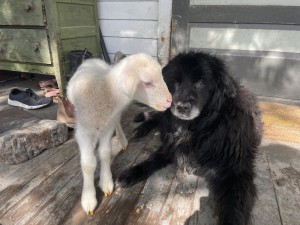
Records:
x=48, y=83
x=51, y=92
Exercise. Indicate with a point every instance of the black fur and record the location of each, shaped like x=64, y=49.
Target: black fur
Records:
x=220, y=143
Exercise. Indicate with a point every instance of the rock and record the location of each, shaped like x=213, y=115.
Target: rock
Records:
x=20, y=145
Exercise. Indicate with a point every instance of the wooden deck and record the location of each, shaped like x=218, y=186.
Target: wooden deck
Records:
x=46, y=189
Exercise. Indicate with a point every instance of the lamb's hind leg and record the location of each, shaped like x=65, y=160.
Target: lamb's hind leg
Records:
x=87, y=143
x=104, y=150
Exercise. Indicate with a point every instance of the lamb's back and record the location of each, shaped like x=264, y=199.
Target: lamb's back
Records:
x=90, y=92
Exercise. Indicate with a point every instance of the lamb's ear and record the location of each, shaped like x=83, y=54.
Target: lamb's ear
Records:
x=227, y=86
x=129, y=85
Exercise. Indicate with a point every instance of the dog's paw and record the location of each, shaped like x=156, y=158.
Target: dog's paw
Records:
x=106, y=184
x=127, y=179
x=140, y=131
x=89, y=200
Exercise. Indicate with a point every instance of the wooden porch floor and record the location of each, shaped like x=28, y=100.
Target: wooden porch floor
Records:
x=46, y=189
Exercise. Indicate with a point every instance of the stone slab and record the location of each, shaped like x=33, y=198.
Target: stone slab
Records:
x=23, y=136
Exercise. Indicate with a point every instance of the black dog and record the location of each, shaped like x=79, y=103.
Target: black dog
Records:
x=213, y=129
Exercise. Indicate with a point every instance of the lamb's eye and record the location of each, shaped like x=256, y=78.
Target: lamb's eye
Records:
x=147, y=84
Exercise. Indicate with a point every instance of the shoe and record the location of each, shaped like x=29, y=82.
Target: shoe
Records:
x=27, y=99
x=65, y=112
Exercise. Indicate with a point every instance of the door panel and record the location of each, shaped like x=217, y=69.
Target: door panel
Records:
x=259, y=41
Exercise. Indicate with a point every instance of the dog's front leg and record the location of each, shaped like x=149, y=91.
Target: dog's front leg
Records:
x=142, y=171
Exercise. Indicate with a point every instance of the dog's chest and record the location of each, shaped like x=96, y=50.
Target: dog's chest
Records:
x=179, y=134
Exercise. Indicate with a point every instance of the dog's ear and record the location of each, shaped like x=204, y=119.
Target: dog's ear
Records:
x=227, y=86
x=225, y=82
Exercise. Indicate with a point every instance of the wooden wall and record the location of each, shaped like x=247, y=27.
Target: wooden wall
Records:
x=129, y=26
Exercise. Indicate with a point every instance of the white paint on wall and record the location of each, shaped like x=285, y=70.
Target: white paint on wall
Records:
x=247, y=2
x=131, y=45
x=129, y=28
x=245, y=39
x=128, y=10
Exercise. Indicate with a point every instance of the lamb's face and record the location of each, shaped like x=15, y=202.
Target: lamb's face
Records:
x=152, y=89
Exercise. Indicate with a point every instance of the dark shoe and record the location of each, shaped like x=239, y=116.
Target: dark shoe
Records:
x=27, y=99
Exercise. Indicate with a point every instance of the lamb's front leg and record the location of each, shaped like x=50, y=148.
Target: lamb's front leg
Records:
x=87, y=142
x=106, y=182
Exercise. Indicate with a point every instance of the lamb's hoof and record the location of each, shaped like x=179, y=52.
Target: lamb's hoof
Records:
x=106, y=185
x=124, y=144
x=106, y=194
x=89, y=201
x=90, y=213
x=125, y=148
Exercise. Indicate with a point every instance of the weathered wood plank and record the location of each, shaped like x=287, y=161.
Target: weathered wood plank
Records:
x=24, y=45
x=266, y=209
x=15, y=186
x=152, y=198
x=128, y=10
x=164, y=31
x=21, y=13
x=42, y=197
x=177, y=208
x=131, y=45
x=129, y=28
x=286, y=189
x=205, y=206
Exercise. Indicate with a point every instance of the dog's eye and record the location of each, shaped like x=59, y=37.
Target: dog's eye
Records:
x=147, y=84
x=198, y=84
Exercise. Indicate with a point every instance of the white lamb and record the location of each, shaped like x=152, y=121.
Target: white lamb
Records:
x=100, y=93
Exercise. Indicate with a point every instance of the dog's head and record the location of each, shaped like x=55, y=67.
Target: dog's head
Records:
x=193, y=79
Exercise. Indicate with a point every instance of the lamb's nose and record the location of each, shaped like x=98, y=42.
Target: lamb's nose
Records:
x=183, y=107
x=169, y=99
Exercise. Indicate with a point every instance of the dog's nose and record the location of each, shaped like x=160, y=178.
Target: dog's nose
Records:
x=183, y=107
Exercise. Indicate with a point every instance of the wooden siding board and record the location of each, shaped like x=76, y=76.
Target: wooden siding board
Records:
x=246, y=37
x=179, y=27
x=128, y=10
x=164, y=31
x=246, y=2
x=244, y=14
x=131, y=45
x=129, y=28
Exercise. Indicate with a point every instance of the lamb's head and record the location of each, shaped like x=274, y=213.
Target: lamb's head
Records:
x=151, y=88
